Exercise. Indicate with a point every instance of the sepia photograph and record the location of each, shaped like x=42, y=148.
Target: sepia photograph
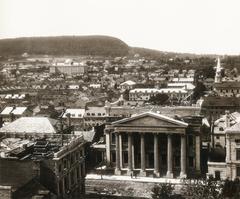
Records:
x=119, y=99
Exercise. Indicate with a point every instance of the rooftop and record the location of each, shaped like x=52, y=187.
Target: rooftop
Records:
x=14, y=110
x=74, y=113
x=33, y=125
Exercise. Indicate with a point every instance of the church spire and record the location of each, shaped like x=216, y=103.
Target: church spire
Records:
x=218, y=75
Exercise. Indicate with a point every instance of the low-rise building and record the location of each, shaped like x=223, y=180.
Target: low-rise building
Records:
x=127, y=85
x=74, y=117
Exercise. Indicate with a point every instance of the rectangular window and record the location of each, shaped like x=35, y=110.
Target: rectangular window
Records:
x=125, y=157
x=237, y=141
x=217, y=175
x=237, y=154
x=113, y=154
x=238, y=171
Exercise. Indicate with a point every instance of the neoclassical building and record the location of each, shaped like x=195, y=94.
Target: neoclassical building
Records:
x=151, y=144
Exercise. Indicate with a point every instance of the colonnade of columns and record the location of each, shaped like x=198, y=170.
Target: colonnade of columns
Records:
x=156, y=155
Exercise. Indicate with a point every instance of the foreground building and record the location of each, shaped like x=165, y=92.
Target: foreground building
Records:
x=150, y=144
x=38, y=149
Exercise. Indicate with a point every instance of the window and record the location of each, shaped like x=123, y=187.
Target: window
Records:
x=238, y=171
x=237, y=141
x=99, y=114
x=125, y=157
x=217, y=137
x=113, y=154
x=217, y=175
x=220, y=128
x=237, y=154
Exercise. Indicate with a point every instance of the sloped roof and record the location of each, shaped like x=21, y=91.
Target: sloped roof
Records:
x=151, y=114
x=234, y=129
x=129, y=82
x=15, y=111
x=31, y=125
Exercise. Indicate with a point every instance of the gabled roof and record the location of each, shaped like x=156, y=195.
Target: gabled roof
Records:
x=129, y=82
x=31, y=125
x=154, y=115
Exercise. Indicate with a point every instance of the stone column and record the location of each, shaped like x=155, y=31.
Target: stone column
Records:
x=143, y=158
x=130, y=166
x=169, y=157
x=120, y=150
x=197, y=154
x=117, y=169
x=108, y=147
x=156, y=156
x=183, y=157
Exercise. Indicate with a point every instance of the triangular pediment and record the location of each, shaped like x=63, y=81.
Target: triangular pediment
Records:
x=150, y=119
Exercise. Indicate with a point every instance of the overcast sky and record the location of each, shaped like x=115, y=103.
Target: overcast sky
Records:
x=196, y=26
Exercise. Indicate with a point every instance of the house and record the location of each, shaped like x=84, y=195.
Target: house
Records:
x=127, y=85
x=74, y=117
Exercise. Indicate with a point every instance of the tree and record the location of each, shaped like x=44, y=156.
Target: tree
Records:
x=159, y=99
x=203, y=189
x=162, y=191
x=199, y=90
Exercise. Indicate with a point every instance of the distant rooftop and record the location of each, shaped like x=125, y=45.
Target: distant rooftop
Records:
x=14, y=110
x=74, y=113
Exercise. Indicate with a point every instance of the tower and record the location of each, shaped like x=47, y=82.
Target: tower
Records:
x=218, y=75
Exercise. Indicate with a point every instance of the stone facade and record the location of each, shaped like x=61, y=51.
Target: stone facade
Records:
x=150, y=144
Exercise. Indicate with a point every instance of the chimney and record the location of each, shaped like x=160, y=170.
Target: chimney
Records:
x=227, y=121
